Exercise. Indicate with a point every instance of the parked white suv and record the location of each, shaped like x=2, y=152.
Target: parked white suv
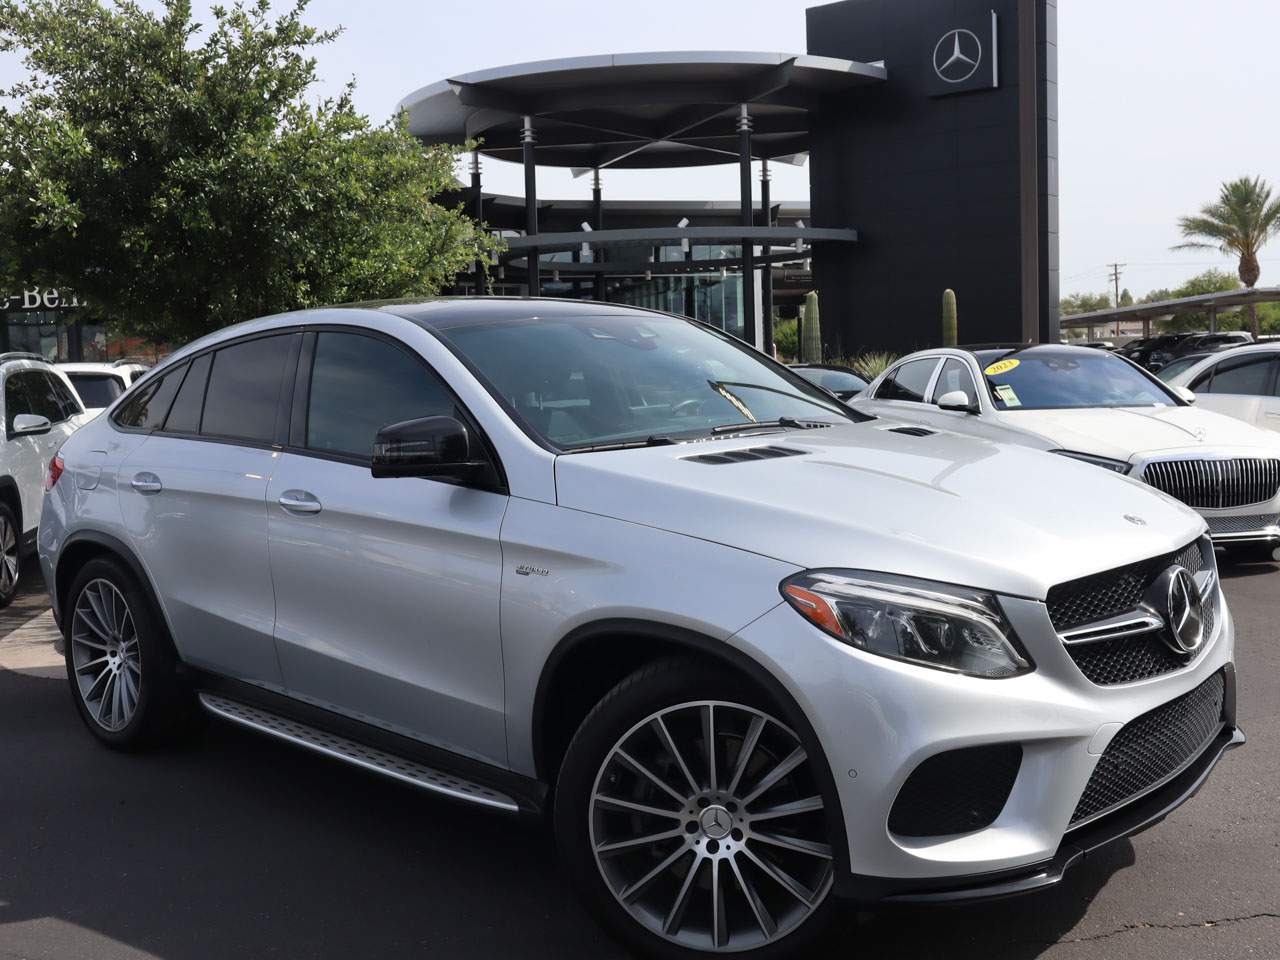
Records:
x=751, y=649
x=1243, y=382
x=1103, y=409
x=40, y=411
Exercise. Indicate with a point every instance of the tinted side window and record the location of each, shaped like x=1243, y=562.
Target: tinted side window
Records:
x=146, y=409
x=955, y=376
x=244, y=389
x=360, y=385
x=909, y=381
x=1246, y=376
x=184, y=415
x=46, y=400
x=16, y=399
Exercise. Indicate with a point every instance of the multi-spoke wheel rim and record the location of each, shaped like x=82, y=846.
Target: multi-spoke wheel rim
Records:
x=708, y=826
x=105, y=655
x=8, y=556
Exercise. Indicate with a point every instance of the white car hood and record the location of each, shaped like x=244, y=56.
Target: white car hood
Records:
x=1123, y=433
x=943, y=507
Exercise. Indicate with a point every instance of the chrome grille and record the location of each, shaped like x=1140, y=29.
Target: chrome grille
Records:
x=1102, y=595
x=1214, y=484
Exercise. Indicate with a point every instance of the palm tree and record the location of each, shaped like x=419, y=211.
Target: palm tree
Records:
x=1239, y=223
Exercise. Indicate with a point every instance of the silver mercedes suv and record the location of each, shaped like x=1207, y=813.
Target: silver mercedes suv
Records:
x=751, y=652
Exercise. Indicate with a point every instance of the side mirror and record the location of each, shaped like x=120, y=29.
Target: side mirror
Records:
x=957, y=400
x=437, y=447
x=1185, y=394
x=30, y=425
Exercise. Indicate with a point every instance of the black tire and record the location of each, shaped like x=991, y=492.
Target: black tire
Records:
x=164, y=709
x=10, y=555
x=622, y=714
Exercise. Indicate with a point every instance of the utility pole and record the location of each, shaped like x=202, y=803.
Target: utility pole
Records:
x=1115, y=278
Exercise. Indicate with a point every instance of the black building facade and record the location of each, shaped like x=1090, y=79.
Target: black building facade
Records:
x=948, y=170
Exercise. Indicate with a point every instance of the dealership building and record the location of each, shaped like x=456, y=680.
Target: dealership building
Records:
x=929, y=129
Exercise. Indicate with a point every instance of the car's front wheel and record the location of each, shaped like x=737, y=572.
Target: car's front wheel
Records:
x=9, y=555
x=692, y=818
x=120, y=662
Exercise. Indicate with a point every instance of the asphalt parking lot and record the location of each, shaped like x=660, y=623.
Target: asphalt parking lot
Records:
x=238, y=846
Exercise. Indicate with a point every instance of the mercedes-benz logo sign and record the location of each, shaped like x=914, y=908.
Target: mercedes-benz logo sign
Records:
x=1183, y=612
x=957, y=55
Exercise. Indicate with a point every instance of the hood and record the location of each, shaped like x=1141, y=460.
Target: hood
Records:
x=1123, y=433
x=943, y=506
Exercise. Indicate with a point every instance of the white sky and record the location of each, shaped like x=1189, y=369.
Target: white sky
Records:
x=1161, y=100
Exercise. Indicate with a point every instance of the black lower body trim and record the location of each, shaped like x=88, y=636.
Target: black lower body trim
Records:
x=529, y=794
x=1130, y=819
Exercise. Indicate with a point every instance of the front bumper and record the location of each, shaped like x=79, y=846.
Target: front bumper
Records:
x=1227, y=528
x=877, y=719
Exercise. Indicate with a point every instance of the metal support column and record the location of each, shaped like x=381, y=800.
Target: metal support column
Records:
x=597, y=223
x=748, y=216
x=766, y=274
x=1213, y=318
x=531, y=204
x=477, y=211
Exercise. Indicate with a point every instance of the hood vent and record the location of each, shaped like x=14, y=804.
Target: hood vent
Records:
x=746, y=455
x=913, y=431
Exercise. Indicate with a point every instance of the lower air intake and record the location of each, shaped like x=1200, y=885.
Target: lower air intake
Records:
x=956, y=792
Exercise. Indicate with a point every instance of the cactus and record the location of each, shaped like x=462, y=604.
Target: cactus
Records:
x=948, y=318
x=811, y=333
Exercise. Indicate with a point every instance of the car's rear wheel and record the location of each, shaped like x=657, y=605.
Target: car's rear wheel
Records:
x=120, y=662
x=10, y=563
x=692, y=819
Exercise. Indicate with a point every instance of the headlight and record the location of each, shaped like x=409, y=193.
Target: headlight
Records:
x=919, y=621
x=1119, y=466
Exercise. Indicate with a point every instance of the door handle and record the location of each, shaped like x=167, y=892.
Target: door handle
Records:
x=299, y=501
x=1270, y=414
x=146, y=483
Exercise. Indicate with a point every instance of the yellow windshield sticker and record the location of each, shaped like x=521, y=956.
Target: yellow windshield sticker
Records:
x=1007, y=394
x=1001, y=366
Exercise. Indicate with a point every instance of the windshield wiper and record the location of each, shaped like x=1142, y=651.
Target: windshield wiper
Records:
x=625, y=445
x=768, y=425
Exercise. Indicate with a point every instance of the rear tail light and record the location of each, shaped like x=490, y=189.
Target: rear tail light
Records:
x=56, y=466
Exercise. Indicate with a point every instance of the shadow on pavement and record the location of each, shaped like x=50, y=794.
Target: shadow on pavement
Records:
x=238, y=846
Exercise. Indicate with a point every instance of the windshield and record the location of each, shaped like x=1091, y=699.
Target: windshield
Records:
x=585, y=381
x=1049, y=379
x=96, y=389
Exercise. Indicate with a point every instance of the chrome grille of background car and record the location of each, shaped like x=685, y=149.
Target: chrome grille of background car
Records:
x=1153, y=748
x=1213, y=484
x=1113, y=592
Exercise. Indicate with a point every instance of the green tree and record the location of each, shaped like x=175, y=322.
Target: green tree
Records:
x=1126, y=298
x=1084, y=303
x=1238, y=223
x=178, y=178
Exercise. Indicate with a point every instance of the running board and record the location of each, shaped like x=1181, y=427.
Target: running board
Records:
x=356, y=754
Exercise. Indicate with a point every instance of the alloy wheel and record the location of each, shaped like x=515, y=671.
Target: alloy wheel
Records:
x=8, y=556
x=105, y=655
x=708, y=826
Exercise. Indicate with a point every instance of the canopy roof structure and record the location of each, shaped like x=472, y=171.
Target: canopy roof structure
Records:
x=636, y=110
x=1210, y=303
